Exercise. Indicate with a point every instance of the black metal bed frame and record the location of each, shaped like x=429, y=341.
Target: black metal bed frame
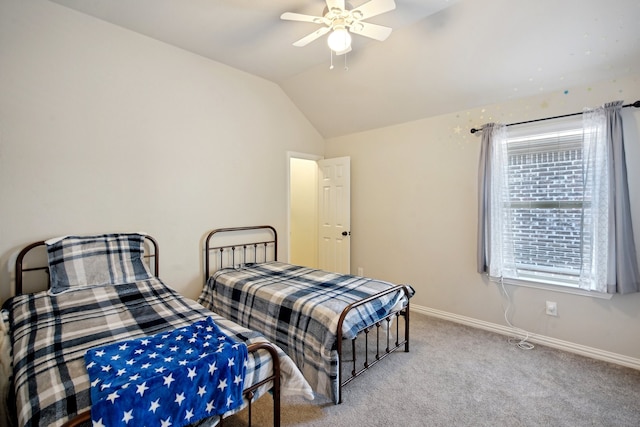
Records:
x=248, y=252
x=153, y=258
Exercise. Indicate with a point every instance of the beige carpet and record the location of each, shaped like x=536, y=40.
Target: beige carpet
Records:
x=455, y=375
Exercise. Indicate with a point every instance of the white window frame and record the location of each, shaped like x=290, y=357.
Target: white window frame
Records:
x=565, y=130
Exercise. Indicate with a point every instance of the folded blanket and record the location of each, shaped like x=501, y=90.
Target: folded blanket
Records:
x=174, y=378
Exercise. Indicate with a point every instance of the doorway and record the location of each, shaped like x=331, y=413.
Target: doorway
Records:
x=319, y=212
x=303, y=209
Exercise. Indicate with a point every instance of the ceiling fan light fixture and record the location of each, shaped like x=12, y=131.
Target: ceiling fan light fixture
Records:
x=339, y=40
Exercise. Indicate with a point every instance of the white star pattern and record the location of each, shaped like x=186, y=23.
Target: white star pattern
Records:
x=168, y=380
x=141, y=388
x=212, y=368
x=113, y=396
x=127, y=416
x=192, y=373
x=237, y=380
x=154, y=393
x=179, y=398
x=154, y=406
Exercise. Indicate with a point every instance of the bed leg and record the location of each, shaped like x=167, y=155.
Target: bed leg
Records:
x=406, y=328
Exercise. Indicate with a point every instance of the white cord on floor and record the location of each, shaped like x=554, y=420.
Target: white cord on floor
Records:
x=519, y=342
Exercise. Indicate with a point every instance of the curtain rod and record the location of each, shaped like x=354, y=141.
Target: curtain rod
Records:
x=474, y=130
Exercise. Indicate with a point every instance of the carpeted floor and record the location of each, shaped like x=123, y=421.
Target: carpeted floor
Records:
x=456, y=375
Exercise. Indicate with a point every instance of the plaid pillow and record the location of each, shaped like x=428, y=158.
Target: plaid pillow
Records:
x=88, y=261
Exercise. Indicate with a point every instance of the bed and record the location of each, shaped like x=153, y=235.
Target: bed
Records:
x=313, y=315
x=105, y=295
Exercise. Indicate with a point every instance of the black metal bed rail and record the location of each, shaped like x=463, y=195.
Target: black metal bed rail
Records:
x=403, y=311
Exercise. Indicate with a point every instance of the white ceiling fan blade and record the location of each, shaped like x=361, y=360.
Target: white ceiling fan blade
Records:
x=290, y=16
x=373, y=8
x=373, y=31
x=311, y=37
x=335, y=4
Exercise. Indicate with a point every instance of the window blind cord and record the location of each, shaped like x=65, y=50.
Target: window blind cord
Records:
x=521, y=343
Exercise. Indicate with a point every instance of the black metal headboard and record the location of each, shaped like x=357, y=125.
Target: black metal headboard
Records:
x=152, y=258
x=237, y=248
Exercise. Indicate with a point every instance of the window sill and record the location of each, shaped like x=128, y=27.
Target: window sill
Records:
x=552, y=287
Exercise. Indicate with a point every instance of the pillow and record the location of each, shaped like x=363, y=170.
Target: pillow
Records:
x=89, y=261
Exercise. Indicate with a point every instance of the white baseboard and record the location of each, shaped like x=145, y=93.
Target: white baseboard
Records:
x=594, y=353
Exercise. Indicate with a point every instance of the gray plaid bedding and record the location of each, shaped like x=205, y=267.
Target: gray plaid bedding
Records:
x=298, y=308
x=51, y=333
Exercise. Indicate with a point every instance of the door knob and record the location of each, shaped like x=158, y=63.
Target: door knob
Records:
x=346, y=233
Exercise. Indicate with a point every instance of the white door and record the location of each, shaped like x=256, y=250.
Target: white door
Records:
x=334, y=214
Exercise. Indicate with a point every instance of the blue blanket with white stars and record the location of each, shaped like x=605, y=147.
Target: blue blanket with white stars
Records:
x=169, y=379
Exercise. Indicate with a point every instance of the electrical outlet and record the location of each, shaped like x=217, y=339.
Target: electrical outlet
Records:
x=552, y=308
x=360, y=271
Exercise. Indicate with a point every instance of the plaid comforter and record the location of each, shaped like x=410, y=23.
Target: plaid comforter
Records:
x=298, y=308
x=51, y=333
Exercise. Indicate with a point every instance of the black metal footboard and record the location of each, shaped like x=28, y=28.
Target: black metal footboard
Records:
x=389, y=347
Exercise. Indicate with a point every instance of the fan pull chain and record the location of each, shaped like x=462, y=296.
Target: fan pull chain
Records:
x=331, y=58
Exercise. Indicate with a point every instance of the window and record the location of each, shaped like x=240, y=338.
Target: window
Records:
x=553, y=204
x=546, y=204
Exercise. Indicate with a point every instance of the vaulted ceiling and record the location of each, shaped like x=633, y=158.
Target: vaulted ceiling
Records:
x=442, y=56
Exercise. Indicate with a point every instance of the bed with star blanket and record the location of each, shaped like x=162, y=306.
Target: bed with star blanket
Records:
x=307, y=312
x=105, y=340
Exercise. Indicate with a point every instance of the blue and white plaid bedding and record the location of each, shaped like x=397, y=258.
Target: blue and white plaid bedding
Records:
x=298, y=308
x=50, y=335
x=100, y=260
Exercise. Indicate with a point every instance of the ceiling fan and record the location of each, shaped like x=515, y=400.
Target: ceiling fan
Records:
x=340, y=19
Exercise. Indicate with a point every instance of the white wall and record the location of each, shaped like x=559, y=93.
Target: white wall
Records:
x=414, y=213
x=102, y=129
